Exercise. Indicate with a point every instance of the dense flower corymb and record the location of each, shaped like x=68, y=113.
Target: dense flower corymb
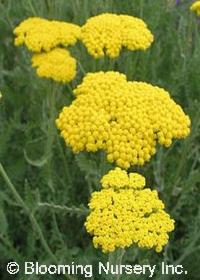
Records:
x=40, y=34
x=122, y=217
x=118, y=178
x=195, y=7
x=108, y=33
x=57, y=64
x=125, y=119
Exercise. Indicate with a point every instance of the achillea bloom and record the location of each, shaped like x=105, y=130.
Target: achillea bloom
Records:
x=118, y=179
x=57, y=64
x=106, y=34
x=195, y=7
x=122, y=216
x=125, y=119
x=39, y=34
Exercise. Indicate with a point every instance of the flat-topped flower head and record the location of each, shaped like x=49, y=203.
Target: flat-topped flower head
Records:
x=195, y=7
x=125, y=119
x=120, y=179
x=122, y=217
x=57, y=64
x=106, y=34
x=39, y=34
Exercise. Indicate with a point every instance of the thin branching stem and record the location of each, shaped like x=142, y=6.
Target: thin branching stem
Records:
x=72, y=210
x=32, y=219
x=34, y=222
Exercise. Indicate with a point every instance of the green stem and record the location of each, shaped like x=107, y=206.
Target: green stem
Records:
x=5, y=240
x=51, y=132
x=141, y=8
x=65, y=163
x=71, y=93
x=57, y=230
x=115, y=258
x=28, y=212
x=32, y=8
x=32, y=219
x=72, y=210
x=47, y=5
x=81, y=67
x=119, y=261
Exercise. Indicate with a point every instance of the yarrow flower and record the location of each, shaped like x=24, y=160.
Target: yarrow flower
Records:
x=195, y=7
x=118, y=179
x=108, y=33
x=121, y=216
x=125, y=119
x=39, y=34
x=57, y=64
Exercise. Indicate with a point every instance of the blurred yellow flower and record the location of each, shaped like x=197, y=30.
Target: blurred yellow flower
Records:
x=57, y=64
x=39, y=34
x=122, y=217
x=195, y=7
x=125, y=119
x=106, y=34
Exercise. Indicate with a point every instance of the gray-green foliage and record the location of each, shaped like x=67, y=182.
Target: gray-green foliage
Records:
x=54, y=184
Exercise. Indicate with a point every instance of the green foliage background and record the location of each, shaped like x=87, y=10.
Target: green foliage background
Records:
x=54, y=184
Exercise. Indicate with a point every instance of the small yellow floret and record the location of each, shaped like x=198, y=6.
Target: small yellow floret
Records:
x=57, y=64
x=39, y=34
x=108, y=33
x=195, y=7
x=125, y=119
x=121, y=217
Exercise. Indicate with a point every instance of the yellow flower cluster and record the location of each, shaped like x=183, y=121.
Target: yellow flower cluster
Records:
x=57, y=64
x=40, y=34
x=43, y=37
x=195, y=7
x=125, y=119
x=118, y=178
x=108, y=33
x=121, y=217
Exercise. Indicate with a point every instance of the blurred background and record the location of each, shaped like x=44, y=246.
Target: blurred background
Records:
x=54, y=184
